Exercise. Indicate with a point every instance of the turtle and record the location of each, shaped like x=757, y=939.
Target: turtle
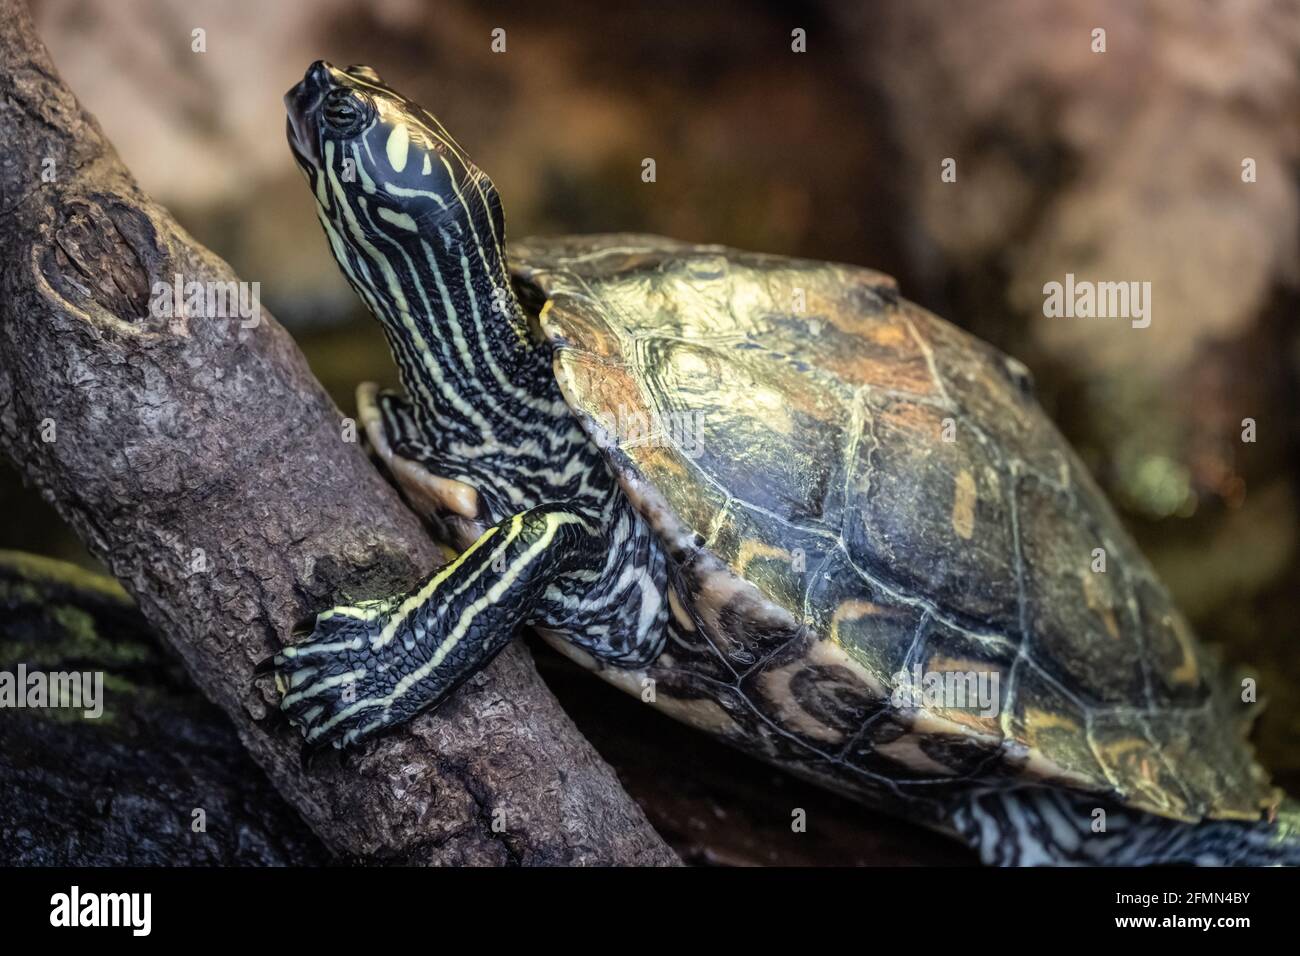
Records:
x=769, y=496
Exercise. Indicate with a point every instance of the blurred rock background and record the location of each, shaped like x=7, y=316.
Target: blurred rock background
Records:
x=1122, y=165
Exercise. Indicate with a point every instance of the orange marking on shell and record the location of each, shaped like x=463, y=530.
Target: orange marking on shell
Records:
x=963, y=505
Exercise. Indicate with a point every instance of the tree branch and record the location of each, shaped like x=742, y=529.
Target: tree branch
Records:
x=205, y=466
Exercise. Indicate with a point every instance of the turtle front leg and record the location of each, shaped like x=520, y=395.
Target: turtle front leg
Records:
x=373, y=665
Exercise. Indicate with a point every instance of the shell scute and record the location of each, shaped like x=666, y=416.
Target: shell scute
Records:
x=975, y=673
x=1051, y=726
x=868, y=624
x=1078, y=608
x=933, y=515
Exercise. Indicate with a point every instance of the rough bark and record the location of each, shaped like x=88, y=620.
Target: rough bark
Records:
x=204, y=465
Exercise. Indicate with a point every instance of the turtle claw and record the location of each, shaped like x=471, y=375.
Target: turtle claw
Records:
x=273, y=662
x=332, y=681
x=266, y=666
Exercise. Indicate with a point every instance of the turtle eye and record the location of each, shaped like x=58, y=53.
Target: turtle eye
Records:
x=345, y=112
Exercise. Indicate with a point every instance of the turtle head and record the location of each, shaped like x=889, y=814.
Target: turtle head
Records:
x=381, y=166
x=414, y=225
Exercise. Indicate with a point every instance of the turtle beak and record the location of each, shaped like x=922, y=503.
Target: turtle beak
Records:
x=301, y=104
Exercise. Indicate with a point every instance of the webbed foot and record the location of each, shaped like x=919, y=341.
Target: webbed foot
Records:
x=340, y=684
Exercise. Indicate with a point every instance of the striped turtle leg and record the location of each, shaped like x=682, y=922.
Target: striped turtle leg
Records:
x=372, y=665
x=395, y=416
x=1042, y=827
x=395, y=436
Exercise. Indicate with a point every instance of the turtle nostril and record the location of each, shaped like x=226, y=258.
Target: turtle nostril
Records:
x=315, y=82
x=309, y=89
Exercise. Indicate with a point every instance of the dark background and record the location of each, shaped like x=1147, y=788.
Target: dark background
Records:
x=1122, y=165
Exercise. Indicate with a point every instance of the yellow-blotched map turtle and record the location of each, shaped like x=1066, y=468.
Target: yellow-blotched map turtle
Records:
x=772, y=497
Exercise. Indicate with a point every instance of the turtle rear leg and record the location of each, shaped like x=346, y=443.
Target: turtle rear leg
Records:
x=396, y=438
x=1044, y=827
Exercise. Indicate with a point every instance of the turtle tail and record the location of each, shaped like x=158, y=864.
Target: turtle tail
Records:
x=1040, y=827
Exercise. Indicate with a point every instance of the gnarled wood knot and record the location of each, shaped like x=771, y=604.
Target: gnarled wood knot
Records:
x=95, y=259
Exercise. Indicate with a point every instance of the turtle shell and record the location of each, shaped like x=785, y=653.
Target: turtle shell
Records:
x=866, y=510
